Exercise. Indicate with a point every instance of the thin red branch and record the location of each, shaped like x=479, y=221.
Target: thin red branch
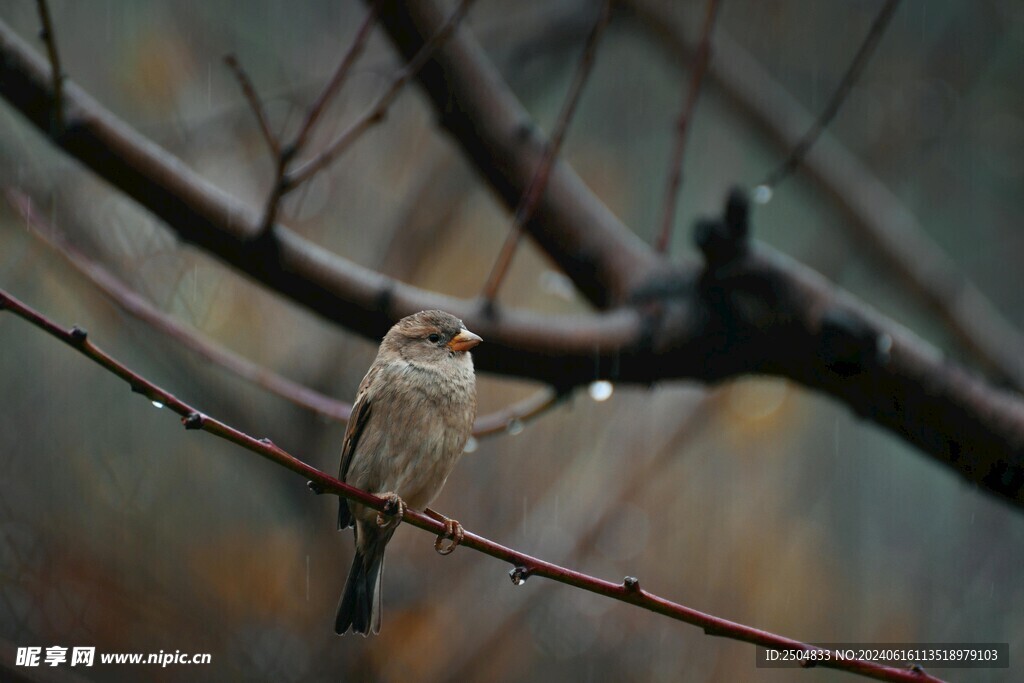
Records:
x=377, y=112
x=524, y=565
x=853, y=71
x=483, y=639
x=254, y=103
x=56, y=72
x=538, y=184
x=675, y=167
x=694, y=416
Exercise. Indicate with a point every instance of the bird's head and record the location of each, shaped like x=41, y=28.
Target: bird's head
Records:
x=430, y=336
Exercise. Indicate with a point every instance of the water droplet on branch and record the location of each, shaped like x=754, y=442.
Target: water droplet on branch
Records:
x=601, y=390
x=514, y=426
x=157, y=404
x=763, y=194
x=519, y=575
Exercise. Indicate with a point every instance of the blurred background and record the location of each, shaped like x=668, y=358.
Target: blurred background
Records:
x=756, y=500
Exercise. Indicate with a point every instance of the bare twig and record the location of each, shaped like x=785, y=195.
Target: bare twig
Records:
x=538, y=184
x=521, y=412
x=377, y=112
x=337, y=80
x=860, y=60
x=254, y=103
x=524, y=566
x=675, y=167
x=57, y=73
x=285, y=156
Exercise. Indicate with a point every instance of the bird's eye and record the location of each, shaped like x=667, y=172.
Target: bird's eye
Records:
x=434, y=338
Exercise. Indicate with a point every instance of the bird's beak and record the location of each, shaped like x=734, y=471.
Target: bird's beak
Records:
x=464, y=341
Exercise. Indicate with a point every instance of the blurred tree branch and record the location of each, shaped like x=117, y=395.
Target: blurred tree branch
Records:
x=524, y=566
x=486, y=122
x=131, y=302
x=878, y=217
x=748, y=309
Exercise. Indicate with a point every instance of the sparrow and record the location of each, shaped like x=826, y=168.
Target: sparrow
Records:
x=411, y=419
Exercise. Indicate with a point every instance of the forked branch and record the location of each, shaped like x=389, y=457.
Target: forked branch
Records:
x=377, y=112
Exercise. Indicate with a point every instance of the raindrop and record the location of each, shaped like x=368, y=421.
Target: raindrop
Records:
x=157, y=404
x=514, y=426
x=519, y=575
x=601, y=390
x=762, y=194
x=471, y=445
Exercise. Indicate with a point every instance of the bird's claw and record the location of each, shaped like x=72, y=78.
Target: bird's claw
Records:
x=394, y=507
x=453, y=532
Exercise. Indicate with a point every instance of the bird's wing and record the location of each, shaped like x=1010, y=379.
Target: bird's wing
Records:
x=356, y=423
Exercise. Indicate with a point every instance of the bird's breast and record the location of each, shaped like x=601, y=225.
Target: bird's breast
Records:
x=418, y=428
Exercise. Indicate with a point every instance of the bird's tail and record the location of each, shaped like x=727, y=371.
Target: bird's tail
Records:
x=360, y=608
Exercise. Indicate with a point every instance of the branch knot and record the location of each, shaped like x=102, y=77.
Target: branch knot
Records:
x=723, y=240
x=849, y=346
x=192, y=421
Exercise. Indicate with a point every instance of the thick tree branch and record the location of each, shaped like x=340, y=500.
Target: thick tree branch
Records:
x=878, y=217
x=685, y=347
x=524, y=565
x=601, y=256
x=358, y=298
x=751, y=310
